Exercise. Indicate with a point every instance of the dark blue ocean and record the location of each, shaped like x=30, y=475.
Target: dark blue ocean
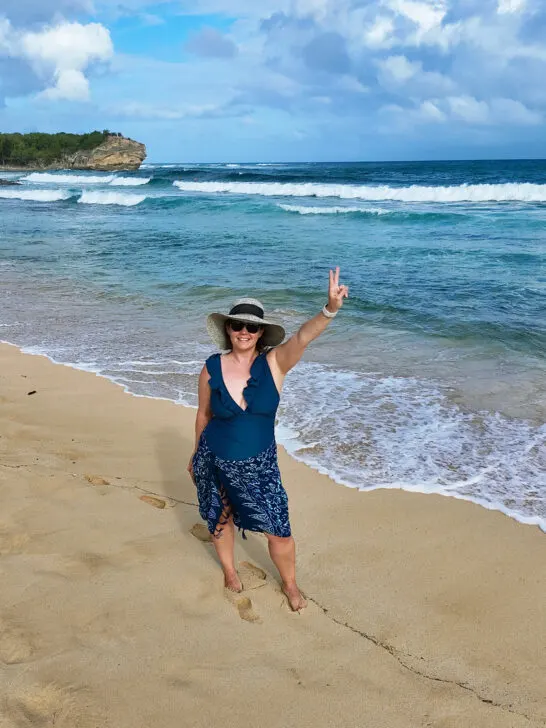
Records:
x=433, y=376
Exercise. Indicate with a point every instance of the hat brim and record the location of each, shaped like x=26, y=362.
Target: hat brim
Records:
x=273, y=334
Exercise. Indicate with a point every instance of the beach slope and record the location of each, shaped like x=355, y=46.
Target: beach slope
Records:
x=423, y=610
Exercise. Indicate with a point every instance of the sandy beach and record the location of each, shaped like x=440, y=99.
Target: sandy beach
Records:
x=424, y=610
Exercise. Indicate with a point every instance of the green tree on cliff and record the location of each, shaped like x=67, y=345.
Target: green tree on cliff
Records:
x=38, y=149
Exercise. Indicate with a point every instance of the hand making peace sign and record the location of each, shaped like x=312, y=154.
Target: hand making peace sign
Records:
x=336, y=292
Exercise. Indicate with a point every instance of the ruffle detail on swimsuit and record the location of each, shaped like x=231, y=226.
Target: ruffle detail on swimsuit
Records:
x=216, y=383
x=257, y=371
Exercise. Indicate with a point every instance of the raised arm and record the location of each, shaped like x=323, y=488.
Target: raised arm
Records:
x=287, y=355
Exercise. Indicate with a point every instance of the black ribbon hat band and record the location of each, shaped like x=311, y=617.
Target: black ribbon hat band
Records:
x=247, y=308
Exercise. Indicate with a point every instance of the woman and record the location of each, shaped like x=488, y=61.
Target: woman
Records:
x=234, y=463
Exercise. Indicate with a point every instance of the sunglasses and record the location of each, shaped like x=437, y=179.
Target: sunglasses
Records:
x=240, y=325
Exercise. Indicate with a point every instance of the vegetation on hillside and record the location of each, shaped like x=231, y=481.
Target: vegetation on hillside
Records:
x=43, y=149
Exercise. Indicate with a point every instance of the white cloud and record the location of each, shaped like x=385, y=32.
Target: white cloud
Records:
x=318, y=9
x=6, y=37
x=469, y=109
x=510, y=111
x=378, y=34
x=500, y=111
x=352, y=85
x=281, y=84
x=511, y=6
x=144, y=110
x=68, y=45
x=59, y=55
x=398, y=68
x=407, y=78
x=429, y=111
x=425, y=15
x=69, y=84
x=408, y=117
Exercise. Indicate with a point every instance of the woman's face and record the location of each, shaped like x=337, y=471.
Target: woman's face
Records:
x=243, y=340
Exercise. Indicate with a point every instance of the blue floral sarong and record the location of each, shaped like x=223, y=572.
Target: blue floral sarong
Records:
x=250, y=490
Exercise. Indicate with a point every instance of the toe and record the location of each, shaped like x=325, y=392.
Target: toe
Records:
x=233, y=583
x=295, y=599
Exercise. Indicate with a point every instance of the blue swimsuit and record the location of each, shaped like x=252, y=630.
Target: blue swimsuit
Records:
x=235, y=467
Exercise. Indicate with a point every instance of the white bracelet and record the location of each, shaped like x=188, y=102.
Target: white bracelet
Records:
x=327, y=313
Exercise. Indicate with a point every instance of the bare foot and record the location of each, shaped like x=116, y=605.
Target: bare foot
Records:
x=232, y=582
x=295, y=598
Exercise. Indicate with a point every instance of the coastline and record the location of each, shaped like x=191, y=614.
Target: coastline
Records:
x=45, y=168
x=423, y=609
x=64, y=168
x=291, y=446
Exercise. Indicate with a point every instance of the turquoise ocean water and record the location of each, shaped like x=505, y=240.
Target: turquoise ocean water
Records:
x=433, y=376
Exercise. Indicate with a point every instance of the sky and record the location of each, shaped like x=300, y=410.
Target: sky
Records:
x=282, y=80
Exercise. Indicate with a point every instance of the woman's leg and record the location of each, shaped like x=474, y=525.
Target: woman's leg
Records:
x=224, y=543
x=283, y=554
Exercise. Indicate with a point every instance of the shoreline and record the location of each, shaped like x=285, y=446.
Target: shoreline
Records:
x=423, y=610
x=497, y=507
x=69, y=169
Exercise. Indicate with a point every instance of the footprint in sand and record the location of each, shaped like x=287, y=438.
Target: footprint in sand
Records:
x=246, y=610
x=40, y=705
x=86, y=563
x=201, y=532
x=12, y=542
x=252, y=577
x=15, y=647
x=243, y=605
x=96, y=480
x=153, y=501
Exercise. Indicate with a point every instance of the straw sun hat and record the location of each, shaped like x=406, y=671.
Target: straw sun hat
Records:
x=249, y=310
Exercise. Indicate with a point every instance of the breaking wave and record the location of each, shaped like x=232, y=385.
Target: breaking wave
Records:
x=68, y=179
x=35, y=195
x=509, y=192
x=85, y=179
x=111, y=198
x=129, y=181
x=303, y=210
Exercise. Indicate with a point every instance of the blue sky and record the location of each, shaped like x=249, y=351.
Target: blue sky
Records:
x=282, y=80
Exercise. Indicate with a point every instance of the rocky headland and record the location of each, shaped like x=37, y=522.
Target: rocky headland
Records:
x=114, y=153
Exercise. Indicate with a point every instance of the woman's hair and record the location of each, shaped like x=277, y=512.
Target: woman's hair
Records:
x=260, y=346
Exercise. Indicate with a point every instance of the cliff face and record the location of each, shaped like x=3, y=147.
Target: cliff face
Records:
x=116, y=153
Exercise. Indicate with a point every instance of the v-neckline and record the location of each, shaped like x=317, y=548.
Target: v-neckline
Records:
x=244, y=388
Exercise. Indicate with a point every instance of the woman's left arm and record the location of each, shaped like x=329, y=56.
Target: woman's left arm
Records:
x=287, y=355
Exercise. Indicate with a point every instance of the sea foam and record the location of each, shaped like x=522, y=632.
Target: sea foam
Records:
x=520, y=192
x=129, y=181
x=68, y=179
x=110, y=198
x=35, y=195
x=303, y=210
x=75, y=180
x=482, y=457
